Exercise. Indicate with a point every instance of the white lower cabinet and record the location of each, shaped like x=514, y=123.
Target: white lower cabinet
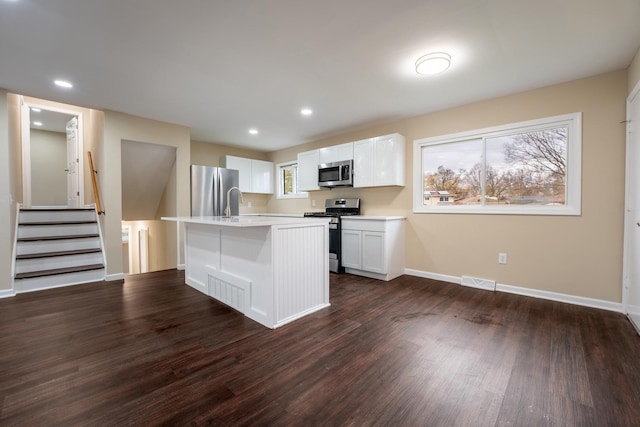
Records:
x=373, y=246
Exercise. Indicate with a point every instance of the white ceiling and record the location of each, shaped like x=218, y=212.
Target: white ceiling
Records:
x=222, y=67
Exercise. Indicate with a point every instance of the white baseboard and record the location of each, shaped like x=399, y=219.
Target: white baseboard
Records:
x=7, y=293
x=114, y=277
x=181, y=266
x=552, y=296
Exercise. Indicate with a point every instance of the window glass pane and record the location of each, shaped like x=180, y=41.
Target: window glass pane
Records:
x=452, y=173
x=287, y=177
x=527, y=168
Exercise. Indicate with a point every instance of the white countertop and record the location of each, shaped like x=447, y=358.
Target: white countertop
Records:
x=247, y=220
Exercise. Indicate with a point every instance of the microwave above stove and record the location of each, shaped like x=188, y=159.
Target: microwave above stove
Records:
x=336, y=174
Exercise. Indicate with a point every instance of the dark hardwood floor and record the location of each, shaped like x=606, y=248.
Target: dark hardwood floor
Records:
x=410, y=352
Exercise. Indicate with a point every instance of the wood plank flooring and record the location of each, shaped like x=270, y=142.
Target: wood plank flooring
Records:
x=410, y=352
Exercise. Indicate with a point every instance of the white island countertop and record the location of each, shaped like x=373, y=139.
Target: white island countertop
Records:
x=246, y=220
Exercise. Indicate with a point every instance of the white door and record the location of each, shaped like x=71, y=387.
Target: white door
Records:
x=631, y=279
x=72, y=163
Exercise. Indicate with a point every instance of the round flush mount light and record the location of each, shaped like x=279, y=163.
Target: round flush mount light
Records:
x=253, y=131
x=306, y=112
x=433, y=63
x=63, y=83
x=37, y=123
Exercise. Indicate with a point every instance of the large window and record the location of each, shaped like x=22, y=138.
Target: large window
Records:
x=288, y=181
x=523, y=168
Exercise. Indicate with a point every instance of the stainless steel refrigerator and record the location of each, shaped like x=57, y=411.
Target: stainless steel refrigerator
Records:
x=209, y=187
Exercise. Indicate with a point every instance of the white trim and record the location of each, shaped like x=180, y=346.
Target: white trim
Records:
x=433, y=276
x=573, y=206
x=629, y=222
x=536, y=293
x=280, y=184
x=7, y=293
x=181, y=266
x=25, y=119
x=114, y=277
x=15, y=247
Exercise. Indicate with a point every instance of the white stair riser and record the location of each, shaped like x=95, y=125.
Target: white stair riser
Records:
x=50, y=263
x=47, y=282
x=53, y=216
x=44, y=246
x=56, y=230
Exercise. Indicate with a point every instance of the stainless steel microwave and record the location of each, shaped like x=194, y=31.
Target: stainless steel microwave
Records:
x=336, y=174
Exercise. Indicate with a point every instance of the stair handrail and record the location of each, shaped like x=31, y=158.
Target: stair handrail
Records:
x=94, y=181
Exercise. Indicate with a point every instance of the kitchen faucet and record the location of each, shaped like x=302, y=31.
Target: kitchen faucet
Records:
x=227, y=210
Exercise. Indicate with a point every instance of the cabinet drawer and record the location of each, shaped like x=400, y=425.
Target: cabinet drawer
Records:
x=362, y=225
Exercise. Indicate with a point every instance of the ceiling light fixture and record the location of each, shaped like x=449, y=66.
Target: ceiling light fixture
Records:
x=63, y=83
x=433, y=63
x=306, y=112
x=37, y=123
x=253, y=131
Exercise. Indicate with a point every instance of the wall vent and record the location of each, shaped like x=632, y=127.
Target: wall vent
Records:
x=476, y=282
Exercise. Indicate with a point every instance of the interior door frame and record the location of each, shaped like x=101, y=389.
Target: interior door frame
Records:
x=630, y=222
x=25, y=121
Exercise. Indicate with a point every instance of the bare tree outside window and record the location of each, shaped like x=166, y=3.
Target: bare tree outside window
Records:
x=524, y=168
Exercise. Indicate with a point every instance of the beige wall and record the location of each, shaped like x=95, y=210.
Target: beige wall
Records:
x=634, y=72
x=48, y=164
x=209, y=154
x=577, y=255
x=6, y=205
x=118, y=127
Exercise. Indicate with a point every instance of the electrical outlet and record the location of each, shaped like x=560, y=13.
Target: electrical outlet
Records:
x=249, y=204
x=502, y=258
x=313, y=203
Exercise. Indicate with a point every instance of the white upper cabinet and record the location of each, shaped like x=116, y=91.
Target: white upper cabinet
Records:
x=379, y=161
x=336, y=153
x=261, y=177
x=256, y=176
x=308, y=162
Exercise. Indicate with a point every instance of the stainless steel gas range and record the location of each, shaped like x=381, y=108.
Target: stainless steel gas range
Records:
x=336, y=208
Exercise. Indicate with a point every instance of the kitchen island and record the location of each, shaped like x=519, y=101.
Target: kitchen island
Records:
x=272, y=269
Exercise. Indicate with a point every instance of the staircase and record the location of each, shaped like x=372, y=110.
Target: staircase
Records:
x=57, y=247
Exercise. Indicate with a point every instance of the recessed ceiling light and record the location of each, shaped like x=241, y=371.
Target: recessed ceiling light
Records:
x=35, y=110
x=63, y=83
x=253, y=131
x=306, y=112
x=37, y=123
x=433, y=63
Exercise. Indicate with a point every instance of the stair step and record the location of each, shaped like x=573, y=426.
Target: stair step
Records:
x=56, y=215
x=59, y=253
x=46, y=238
x=57, y=271
x=44, y=223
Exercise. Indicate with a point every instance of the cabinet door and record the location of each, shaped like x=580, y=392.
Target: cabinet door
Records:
x=336, y=153
x=308, y=162
x=261, y=177
x=373, y=256
x=243, y=166
x=352, y=249
x=389, y=160
x=363, y=163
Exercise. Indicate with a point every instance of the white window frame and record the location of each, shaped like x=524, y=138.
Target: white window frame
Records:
x=280, y=183
x=572, y=206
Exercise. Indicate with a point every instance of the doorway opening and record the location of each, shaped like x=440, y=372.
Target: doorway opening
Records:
x=52, y=161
